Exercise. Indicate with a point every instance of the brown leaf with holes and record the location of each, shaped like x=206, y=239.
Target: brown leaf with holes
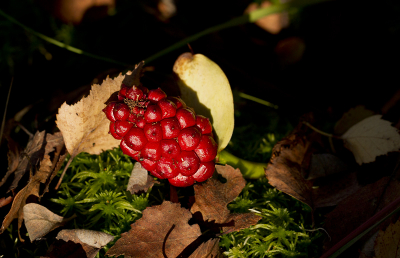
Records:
x=32, y=188
x=292, y=158
x=213, y=197
x=162, y=231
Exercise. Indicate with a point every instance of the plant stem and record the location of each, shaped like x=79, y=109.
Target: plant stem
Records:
x=249, y=169
x=255, y=99
x=3, y=122
x=319, y=131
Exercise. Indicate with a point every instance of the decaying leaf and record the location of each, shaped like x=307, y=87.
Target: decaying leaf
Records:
x=359, y=207
x=291, y=157
x=84, y=125
x=325, y=164
x=39, y=220
x=350, y=118
x=32, y=187
x=162, y=231
x=209, y=249
x=205, y=88
x=140, y=180
x=87, y=243
x=387, y=243
x=213, y=197
x=370, y=138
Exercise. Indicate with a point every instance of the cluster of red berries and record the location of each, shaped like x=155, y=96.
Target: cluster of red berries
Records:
x=163, y=134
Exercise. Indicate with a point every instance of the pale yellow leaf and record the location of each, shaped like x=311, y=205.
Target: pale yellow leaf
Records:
x=387, y=243
x=350, y=118
x=39, y=220
x=205, y=88
x=370, y=138
x=84, y=125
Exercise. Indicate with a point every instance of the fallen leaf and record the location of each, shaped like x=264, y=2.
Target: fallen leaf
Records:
x=205, y=88
x=90, y=242
x=273, y=23
x=65, y=249
x=357, y=208
x=370, y=138
x=5, y=201
x=162, y=231
x=32, y=187
x=291, y=158
x=387, y=243
x=39, y=220
x=325, y=164
x=140, y=180
x=84, y=125
x=213, y=197
x=33, y=152
x=209, y=249
x=350, y=118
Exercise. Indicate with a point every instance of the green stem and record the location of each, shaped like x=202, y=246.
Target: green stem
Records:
x=255, y=99
x=249, y=169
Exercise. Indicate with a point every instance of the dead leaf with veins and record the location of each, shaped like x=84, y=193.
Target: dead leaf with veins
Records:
x=212, y=199
x=39, y=220
x=370, y=138
x=162, y=231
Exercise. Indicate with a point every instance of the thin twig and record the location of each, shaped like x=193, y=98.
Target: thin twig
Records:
x=3, y=122
x=319, y=131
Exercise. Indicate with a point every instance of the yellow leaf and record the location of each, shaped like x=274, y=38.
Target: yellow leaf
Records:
x=387, y=242
x=84, y=125
x=205, y=88
x=370, y=138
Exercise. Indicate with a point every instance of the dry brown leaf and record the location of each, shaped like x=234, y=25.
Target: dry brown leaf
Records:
x=139, y=179
x=32, y=187
x=29, y=158
x=163, y=229
x=359, y=207
x=90, y=241
x=84, y=125
x=325, y=164
x=290, y=158
x=213, y=197
x=39, y=220
x=387, y=243
x=370, y=138
x=209, y=249
x=350, y=118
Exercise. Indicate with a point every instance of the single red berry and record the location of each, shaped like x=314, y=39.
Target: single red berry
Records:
x=153, y=114
x=135, y=138
x=204, y=124
x=113, y=132
x=170, y=148
x=181, y=181
x=149, y=165
x=122, y=127
x=121, y=111
x=129, y=151
x=122, y=92
x=108, y=110
x=188, y=163
x=170, y=127
x=189, y=138
x=144, y=90
x=156, y=174
x=205, y=171
x=207, y=148
x=140, y=121
x=177, y=101
x=167, y=167
x=134, y=93
x=156, y=95
x=186, y=117
x=168, y=108
x=152, y=151
x=153, y=132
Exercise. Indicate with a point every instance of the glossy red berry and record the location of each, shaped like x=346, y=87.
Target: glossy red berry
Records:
x=170, y=128
x=134, y=93
x=122, y=127
x=153, y=114
x=177, y=101
x=186, y=117
x=129, y=151
x=112, y=131
x=205, y=171
x=121, y=111
x=207, y=149
x=189, y=138
x=152, y=151
x=204, y=124
x=168, y=108
x=156, y=95
x=188, y=163
x=167, y=167
x=108, y=110
x=135, y=138
x=181, y=181
x=170, y=148
x=153, y=132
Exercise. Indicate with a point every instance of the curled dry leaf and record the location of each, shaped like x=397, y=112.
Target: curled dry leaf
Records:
x=162, y=231
x=87, y=243
x=370, y=138
x=387, y=243
x=139, y=179
x=205, y=88
x=84, y=125
x=39, y=220
x=213, y=197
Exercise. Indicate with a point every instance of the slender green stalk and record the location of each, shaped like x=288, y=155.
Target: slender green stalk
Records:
x=3, y=122
x=255, y=99
x=249, y=169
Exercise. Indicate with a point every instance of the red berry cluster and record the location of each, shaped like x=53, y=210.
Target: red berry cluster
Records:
x=163, y=134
